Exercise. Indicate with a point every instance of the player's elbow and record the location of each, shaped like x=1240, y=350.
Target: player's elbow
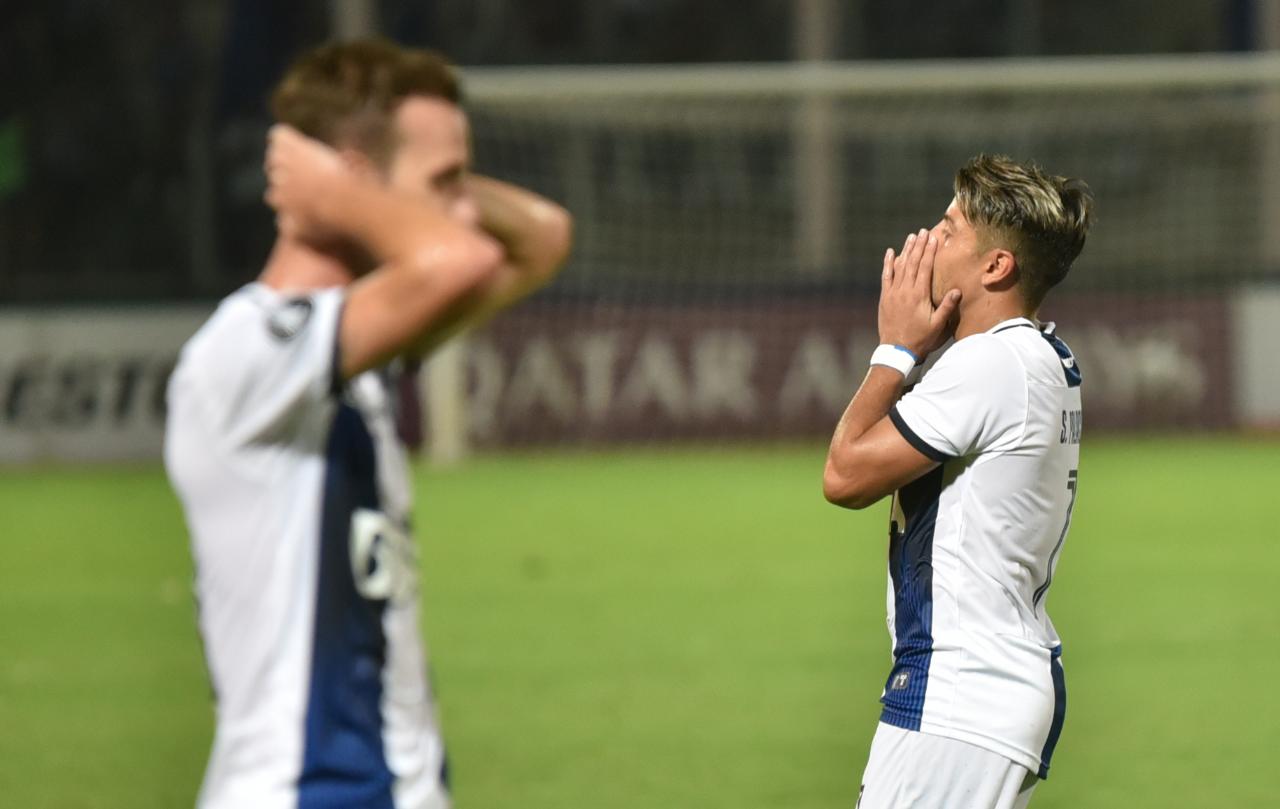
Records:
x=844, y=487
x=557, y=228
x=553, y=243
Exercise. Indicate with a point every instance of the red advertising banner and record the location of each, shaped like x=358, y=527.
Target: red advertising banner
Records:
x=82, y=385
x=555, y=373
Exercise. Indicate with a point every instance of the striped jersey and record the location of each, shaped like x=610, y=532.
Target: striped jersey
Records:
x=297, y=498
x=974, y=543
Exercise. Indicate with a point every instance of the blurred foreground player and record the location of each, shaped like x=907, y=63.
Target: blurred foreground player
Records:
x=983, y=456
x=281, y=440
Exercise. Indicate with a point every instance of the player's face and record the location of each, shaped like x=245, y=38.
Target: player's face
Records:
x=958, y=262
x=434, y=155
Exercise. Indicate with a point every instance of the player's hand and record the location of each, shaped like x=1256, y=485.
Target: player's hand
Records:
x=908, y=317
x=301, y=174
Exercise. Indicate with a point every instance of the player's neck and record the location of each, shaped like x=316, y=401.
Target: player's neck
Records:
x=294, y=265
x=990, y=310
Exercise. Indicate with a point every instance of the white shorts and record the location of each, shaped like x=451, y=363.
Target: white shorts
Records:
x=912, y=770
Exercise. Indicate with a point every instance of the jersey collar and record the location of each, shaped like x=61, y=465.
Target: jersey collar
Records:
x=1018, y=322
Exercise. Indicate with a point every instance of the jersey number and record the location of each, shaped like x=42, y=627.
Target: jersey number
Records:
x=1072, y=478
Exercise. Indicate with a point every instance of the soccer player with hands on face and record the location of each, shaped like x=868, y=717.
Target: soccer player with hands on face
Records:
x=281, y=440
x=981, y=457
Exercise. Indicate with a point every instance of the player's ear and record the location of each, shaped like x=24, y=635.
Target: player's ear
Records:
x=1001, y=270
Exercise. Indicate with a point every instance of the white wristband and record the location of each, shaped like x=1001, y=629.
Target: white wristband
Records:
x=895, y=357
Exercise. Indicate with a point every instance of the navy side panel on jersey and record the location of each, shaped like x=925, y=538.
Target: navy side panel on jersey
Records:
x=911, y=569
x=1059, y=710
x=343, y=761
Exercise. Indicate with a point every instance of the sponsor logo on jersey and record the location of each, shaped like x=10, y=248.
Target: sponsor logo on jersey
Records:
x=288, y=320
x=383, y=558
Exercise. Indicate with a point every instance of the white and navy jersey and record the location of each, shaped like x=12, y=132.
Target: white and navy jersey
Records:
x=297, y=497
x=974, y=543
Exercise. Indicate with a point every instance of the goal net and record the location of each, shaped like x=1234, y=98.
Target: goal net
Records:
x=731, y=220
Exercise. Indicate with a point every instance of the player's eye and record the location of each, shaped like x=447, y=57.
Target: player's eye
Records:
x=448, y=182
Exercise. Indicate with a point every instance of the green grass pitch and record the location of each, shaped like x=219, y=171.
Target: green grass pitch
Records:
x=648, y=629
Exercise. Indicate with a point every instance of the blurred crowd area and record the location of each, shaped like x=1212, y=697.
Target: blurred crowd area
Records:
x=131, y=134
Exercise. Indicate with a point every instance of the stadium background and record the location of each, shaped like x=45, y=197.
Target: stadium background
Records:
x=634, y=593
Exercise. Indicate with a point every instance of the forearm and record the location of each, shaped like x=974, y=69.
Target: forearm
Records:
x=866, y=461
x=535, y=231
x=879, y=391
x=390, y=225
x=535, y=235
x=429, y=267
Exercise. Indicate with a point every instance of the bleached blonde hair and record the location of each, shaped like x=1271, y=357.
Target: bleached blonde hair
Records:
x=1041, y=218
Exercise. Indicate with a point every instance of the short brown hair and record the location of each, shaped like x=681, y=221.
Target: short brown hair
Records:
x=1041, y=218
x=346, y=93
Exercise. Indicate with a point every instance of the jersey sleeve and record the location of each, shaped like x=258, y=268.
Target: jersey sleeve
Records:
x=271, y=364
x=973, y=400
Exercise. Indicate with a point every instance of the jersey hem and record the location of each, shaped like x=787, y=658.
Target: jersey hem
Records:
x=1015, y=754
x=906, y=720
